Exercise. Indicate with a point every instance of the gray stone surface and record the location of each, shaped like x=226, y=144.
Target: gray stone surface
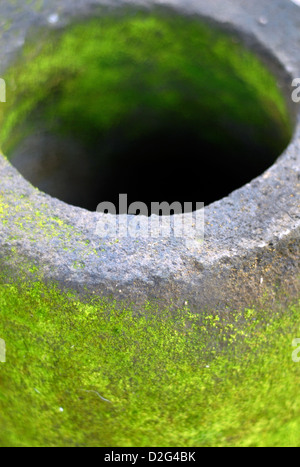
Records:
x=251, y=246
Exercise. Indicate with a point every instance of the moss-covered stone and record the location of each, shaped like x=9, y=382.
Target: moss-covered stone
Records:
x=98, y=374
x=108, y=88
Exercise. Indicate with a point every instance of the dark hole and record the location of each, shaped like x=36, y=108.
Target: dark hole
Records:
x=186, y=126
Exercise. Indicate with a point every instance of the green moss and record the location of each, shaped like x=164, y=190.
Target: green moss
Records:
x=137, y=71
x=32, y=223
x=169, y=379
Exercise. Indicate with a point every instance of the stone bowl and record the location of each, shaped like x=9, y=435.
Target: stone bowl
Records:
x=245, y=247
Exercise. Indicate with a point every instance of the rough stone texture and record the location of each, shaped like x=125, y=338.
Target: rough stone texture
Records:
x=251, y=246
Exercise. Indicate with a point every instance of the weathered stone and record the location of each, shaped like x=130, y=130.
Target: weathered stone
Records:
x=251, y=246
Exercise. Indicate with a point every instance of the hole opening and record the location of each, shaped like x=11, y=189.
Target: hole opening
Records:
x=158, y=106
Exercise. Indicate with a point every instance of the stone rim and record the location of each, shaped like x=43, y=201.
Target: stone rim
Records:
x=251, y=243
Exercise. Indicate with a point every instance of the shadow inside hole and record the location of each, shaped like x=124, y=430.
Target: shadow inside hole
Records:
x=175, y=162
x=154, y=107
